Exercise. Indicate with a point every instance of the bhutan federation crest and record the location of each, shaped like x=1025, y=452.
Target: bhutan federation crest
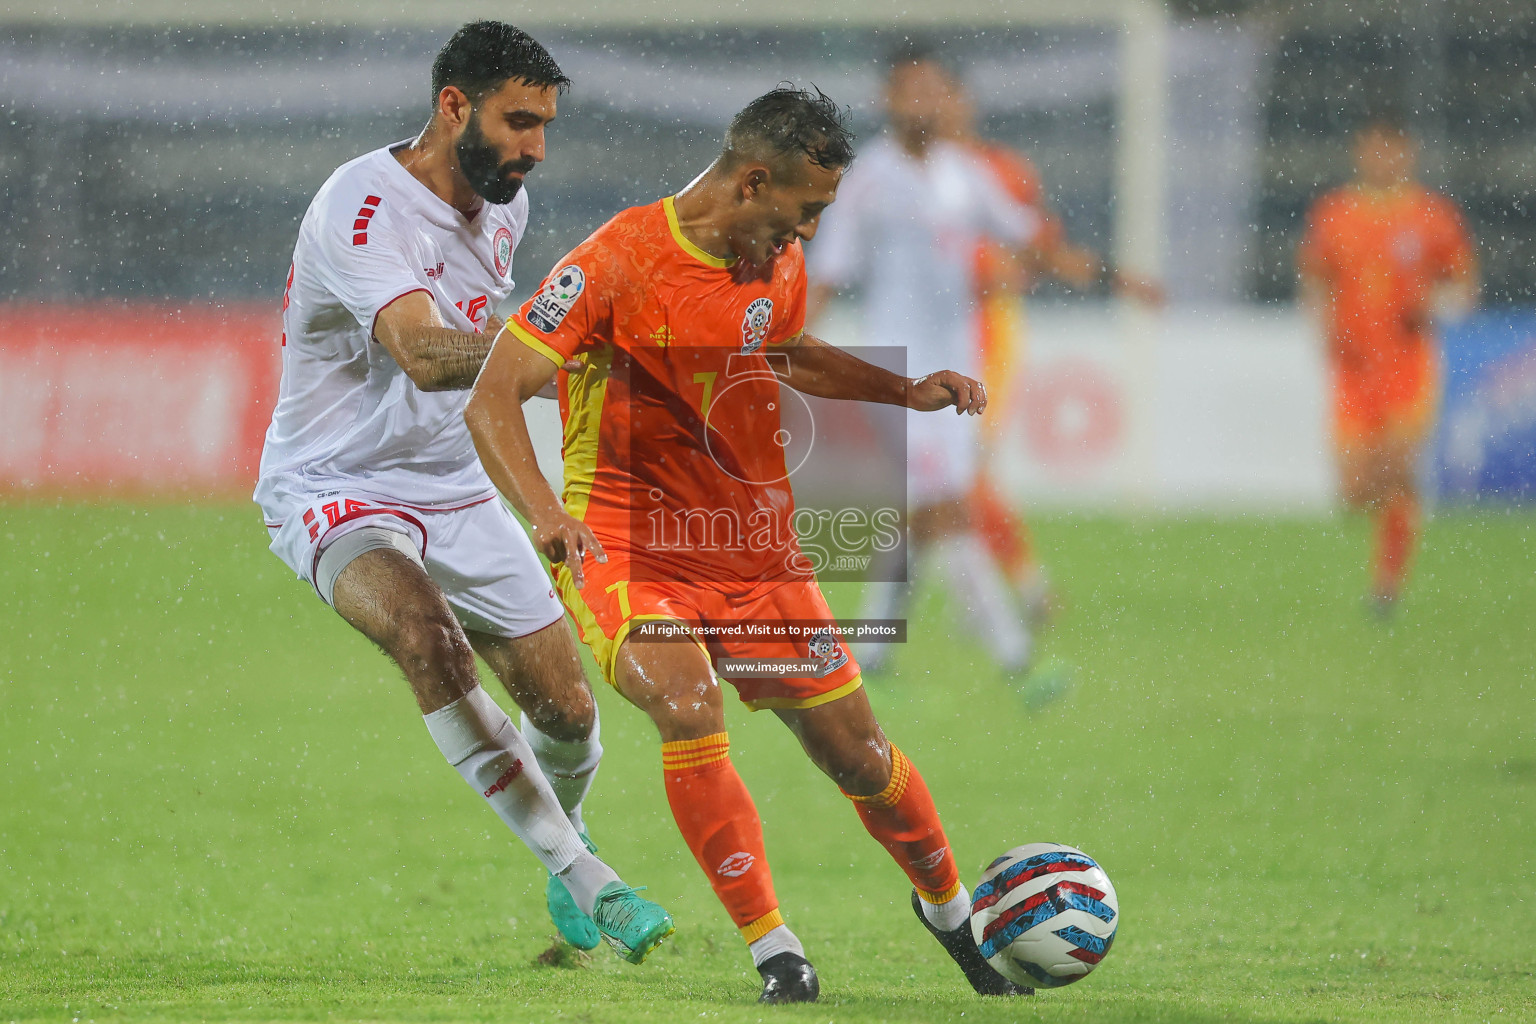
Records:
x=754, y=325
x=823, y=645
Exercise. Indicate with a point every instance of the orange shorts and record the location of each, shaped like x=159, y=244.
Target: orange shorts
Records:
x=611, y=605
x=1388, y=399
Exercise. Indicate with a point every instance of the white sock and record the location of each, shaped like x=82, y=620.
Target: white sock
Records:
x=882, y=600
x=585, y=878
x=946, y=917
x=779, y=940
x=478, y=739
x=984, y=595
x=570, y=766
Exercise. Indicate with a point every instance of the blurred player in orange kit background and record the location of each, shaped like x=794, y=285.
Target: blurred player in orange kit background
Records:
x=943, y=233
x=1381, y=258
x=905, y=231
x=1003, y=276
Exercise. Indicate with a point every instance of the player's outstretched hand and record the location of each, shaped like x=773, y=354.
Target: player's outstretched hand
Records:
x=945, y=388
x=567, y=539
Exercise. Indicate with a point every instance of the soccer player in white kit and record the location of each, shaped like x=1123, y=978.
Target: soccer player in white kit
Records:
x=905, y=229
x=371, y=487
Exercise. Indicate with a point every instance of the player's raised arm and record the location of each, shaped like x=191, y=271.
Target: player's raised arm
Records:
x=514, y=373
x=826, y=371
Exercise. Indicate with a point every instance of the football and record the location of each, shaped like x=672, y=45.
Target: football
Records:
x=566, y=285
x=1044, y=914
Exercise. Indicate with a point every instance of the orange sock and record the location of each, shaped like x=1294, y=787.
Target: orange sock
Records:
x=1396, y=531
x=1004, y=531
x=902, y=817
x=719, y=822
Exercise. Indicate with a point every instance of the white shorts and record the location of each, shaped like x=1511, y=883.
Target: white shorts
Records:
x=943, y=456
x=477, y=553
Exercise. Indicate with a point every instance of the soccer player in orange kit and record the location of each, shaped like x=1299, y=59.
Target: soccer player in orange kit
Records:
x=1381, y=256
x=681, y=499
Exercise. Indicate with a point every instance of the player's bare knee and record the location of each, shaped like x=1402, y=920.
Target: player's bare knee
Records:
x=431, y=645
x=568, y=718
x=688, y=711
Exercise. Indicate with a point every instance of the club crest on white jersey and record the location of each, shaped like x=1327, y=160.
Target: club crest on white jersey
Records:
x=501, y=250
x=754, y=325
x=556, y=298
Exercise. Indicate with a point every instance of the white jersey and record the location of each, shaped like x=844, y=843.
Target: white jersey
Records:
x=906, y=230
x=347, y=416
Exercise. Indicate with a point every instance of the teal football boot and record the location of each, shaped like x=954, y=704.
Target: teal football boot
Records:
x=632, y=925
x=574, y=926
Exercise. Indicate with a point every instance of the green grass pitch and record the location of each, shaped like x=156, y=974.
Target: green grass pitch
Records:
x=219, y=803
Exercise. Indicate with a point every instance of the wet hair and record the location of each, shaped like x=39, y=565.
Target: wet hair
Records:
x=788, y=123
x=484, y=55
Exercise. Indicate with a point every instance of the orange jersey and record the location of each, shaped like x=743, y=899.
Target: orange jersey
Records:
x=997, y=268
x=672, y=444
x=1380, y=255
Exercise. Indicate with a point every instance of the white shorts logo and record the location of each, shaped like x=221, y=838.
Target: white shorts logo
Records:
x=754, y=325
x=736, y=865
x=556, y=298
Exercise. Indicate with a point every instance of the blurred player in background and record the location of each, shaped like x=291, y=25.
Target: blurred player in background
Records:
x=664, y=307
x=369, y=482
x=911, y=217
x=1382, y=257
x=1004, y=274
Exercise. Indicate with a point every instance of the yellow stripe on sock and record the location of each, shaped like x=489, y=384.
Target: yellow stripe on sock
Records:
x=692, y=753
x=762, y=926
x=890, y=796
x=940, y=897
x=674, y=746
x=673, y=764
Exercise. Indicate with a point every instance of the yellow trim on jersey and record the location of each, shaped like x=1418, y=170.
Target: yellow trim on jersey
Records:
x=806, y=702
x=523, y=335
x=604, y=651
x=585, y=393
x=586, y=623
x=688, y=247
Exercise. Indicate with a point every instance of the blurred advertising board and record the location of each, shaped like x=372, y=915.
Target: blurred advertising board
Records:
x=1487, y=446
x=135, y=399
x=1217, y=408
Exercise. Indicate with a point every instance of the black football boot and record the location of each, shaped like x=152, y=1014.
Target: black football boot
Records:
x=961, y=946
x=788, y=978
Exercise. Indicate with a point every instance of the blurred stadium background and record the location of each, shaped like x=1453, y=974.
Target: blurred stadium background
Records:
x=156, y=158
